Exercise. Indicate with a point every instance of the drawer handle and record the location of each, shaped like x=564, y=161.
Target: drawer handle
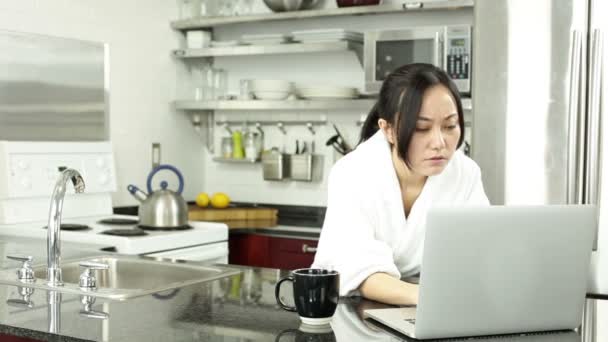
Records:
x=308, y=249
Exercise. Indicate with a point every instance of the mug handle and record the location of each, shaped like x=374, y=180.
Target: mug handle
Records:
x=277, y=289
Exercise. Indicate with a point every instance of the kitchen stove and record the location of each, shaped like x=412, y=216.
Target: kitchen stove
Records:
x=28, y=171
x=153, y=241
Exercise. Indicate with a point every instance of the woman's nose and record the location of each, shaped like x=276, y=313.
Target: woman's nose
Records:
x=437, y=140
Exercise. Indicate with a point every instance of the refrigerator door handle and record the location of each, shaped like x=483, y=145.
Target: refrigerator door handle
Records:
x=575, y=143
x=592, y=155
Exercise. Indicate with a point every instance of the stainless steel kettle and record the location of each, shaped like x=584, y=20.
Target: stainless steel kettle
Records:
x=164, y=208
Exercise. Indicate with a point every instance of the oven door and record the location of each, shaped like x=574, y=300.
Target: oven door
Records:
x=386, y=50
x=214, y=253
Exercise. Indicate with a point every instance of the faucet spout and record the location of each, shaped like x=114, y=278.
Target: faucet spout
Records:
x=53, y=241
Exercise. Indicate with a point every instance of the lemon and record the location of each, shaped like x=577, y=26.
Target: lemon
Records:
x=220, y=200
x=202, y=200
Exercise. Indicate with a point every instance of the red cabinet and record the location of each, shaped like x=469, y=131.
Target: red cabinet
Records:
x=271, y=251
x=292, y=253
x=249, y=250
x=9, y=338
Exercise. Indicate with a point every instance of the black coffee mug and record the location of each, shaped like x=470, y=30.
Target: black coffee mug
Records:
x=315, y=293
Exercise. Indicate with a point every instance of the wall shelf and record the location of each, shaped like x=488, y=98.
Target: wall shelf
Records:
x=325, y=104
x=208, y=22
x=235, y=161
x=286, y=48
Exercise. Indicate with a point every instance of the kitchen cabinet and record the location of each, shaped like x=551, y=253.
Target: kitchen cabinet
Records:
x=271, y=251
x=288, y=253
x=249, y=250
x=8, y=338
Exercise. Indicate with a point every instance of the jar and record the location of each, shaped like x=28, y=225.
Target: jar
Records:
x=237, y=145
x=252, y=151
x=226, y=147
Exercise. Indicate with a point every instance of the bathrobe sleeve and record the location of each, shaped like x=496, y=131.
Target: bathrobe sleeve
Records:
x=348, y=241
x=477, y=195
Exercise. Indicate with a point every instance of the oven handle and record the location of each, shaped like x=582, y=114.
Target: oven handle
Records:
x=200, y=253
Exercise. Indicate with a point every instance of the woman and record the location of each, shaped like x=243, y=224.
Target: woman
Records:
x=379, y=194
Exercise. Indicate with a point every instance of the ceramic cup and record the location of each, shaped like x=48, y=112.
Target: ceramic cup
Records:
x=315, y=293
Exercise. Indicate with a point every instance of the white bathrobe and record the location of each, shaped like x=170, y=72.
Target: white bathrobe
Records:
x=365, y=229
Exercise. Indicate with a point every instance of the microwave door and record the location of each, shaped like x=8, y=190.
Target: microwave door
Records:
x=389, y=49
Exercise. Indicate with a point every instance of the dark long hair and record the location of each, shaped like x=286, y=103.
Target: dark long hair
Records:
x=400, y=100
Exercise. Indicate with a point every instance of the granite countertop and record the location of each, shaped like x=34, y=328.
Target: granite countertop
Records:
x=236, y=308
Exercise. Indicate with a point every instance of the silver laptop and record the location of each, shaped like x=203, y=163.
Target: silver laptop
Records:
x=499, y=270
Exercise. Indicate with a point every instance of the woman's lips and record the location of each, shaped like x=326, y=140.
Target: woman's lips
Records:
x=437, y=160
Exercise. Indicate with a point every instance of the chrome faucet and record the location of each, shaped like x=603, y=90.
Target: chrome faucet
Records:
x=53, y=243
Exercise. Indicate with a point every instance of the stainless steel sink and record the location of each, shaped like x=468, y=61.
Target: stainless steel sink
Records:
x=127, y=277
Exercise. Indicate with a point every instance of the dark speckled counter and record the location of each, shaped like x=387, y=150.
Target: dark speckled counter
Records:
x=232, y=309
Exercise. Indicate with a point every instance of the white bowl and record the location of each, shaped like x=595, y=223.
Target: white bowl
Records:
x=271, y=95
x=270, y=85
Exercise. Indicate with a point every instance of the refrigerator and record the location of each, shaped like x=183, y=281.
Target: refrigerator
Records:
x=540, y=131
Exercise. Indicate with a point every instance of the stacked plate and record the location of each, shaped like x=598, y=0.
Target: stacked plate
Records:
x=265, y=39
x=223, y=43
x=270, y=89
x=326, y=35
x=326, y=92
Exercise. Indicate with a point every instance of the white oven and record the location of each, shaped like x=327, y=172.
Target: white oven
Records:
x=448, y=47
x=28, y=172
x=216, y=253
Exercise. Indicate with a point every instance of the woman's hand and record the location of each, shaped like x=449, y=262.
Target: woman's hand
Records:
x=384, y=288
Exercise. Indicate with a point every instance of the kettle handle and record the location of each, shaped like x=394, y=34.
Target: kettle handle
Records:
x=166, y=167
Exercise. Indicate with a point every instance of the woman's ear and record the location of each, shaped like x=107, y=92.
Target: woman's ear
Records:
x=389, y=133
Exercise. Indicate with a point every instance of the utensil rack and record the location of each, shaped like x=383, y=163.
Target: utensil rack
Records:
x=280, y=124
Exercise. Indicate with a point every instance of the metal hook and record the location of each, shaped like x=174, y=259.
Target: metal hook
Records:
x=310, y=128
x=258, y=126
x=227, y=127
x=281, y=127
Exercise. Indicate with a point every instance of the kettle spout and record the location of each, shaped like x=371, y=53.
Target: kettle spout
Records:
x=137, y=192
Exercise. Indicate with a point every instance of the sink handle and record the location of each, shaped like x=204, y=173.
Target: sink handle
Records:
x=25, y=301
x=94, y=265
x=25, y=272
x=87, y=278
x=87, y=309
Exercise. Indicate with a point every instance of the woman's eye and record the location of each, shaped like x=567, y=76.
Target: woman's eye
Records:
x=421, y=129
x=451, y=127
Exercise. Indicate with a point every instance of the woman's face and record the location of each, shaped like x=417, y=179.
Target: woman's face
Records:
x=437, y=132
x=436, y=135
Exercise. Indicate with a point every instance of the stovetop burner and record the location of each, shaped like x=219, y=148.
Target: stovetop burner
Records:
x=118, y=221
x=72, y=226
x=125, y=232
x=186, y=227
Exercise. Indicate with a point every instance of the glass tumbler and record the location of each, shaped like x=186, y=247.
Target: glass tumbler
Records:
x=245, y=90
x=226, y=147
x=220, y=83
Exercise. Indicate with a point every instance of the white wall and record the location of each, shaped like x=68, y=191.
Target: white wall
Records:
x=244, y=182
x=142, y=78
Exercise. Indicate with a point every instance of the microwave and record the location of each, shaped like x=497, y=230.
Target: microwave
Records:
x=448, y=47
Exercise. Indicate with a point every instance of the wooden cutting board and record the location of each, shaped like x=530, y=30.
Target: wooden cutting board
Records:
x=196, y=213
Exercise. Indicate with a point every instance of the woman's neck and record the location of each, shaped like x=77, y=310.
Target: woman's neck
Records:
x=407, y=178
